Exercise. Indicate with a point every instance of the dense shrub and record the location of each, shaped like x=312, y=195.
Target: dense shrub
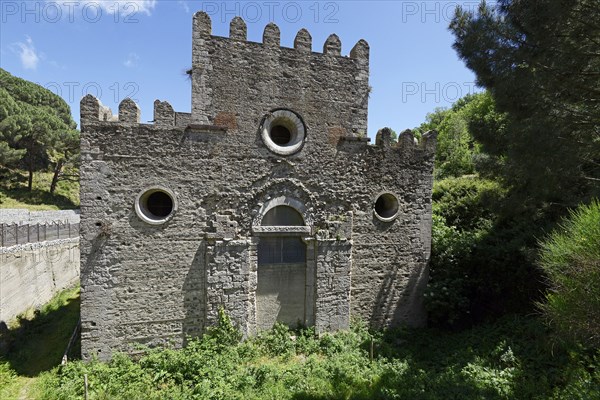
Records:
x=8, y=381
x=571, y=259
x=482, y=265
x=510, y=359
x=466, y=203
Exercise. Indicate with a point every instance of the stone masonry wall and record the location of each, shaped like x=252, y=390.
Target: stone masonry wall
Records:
x=155, y=284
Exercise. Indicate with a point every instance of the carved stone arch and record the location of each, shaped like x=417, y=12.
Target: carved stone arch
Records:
x=283, y=201
x=284, y=191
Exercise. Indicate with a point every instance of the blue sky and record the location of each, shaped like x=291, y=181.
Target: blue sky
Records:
x=141, y=48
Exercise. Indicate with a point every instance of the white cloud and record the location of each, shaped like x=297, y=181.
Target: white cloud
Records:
x=132, y=60
x=57, y=65
x=184, y=5
x=27, y=53
x=126, y=8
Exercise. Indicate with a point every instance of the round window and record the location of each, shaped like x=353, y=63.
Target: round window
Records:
x=386, y=207
x=283, y=132
x=155, y=205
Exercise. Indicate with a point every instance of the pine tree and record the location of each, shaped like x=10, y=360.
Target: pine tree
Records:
x=36, y=128
x=540, y=60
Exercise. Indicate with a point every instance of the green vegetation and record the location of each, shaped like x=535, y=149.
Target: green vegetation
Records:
x=539, y=61
x=10, y=383
x=36, y=340
x=14, y=192
x=458, y=153
x=512, y=358
x=483, y=265
x=513, y=160
x=37, y=133
x=571, y=259
x=483, y=261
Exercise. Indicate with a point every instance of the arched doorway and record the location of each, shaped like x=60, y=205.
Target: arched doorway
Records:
x=281, y=281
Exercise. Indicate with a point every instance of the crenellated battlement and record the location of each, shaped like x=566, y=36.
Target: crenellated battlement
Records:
x=236, y=81
x=93, y=111
x=238, y=31
x=234, y=76
x=406, y=140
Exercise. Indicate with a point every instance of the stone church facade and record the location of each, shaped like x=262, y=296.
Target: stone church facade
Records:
x=266, y=200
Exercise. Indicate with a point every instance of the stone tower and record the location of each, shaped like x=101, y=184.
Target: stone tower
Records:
x=266, y=200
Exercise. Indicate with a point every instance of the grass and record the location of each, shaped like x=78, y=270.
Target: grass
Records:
x=36, y=340
x=14, y=193
x=513, y=358
x=11, y=384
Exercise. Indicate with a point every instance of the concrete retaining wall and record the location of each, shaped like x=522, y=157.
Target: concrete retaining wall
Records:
x=31, y=274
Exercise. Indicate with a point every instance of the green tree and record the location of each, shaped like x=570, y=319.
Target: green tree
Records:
x=36, y=128
x=540, y=60
x=64, y=155
x=487, y=124
x=9, y=154
x=458, y=153
x=432, y=121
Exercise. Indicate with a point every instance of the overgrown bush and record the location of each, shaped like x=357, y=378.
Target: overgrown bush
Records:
x=482, y=265
x=224, y=333
x=8, y=381
x=571, y=259
x=510, y=359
